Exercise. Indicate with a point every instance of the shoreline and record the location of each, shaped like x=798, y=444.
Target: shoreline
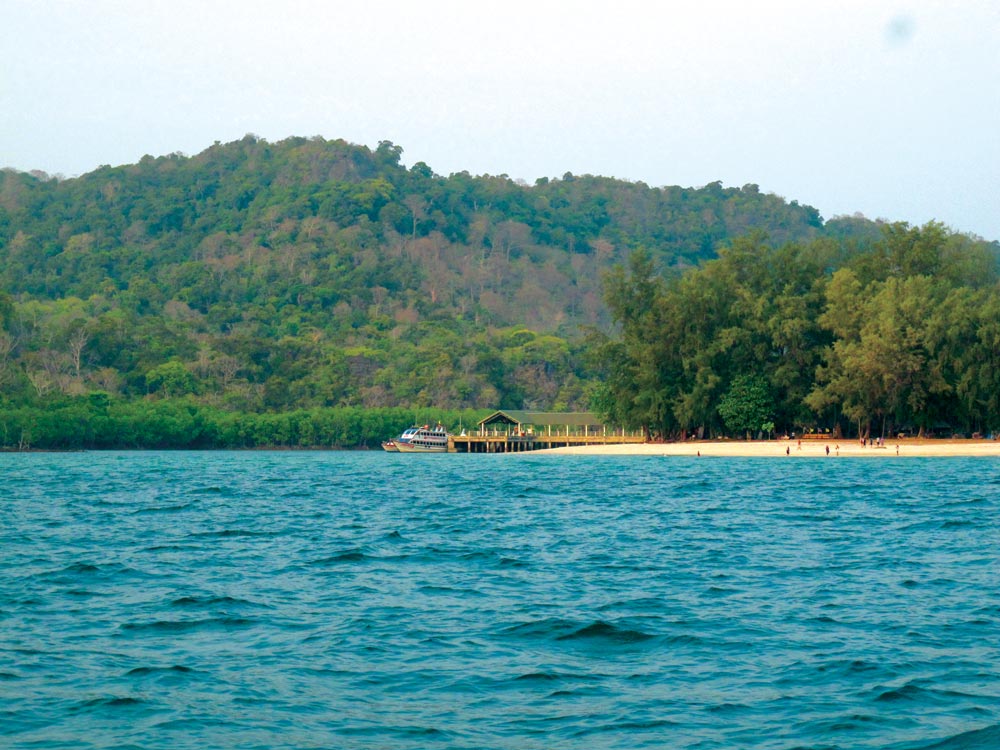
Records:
x=910, y=447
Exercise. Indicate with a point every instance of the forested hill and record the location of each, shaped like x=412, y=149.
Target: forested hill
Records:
x=271, y=276
x=313, y=223
x=302, y=200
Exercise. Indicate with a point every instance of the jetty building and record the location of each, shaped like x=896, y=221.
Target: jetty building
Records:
x=515, y=431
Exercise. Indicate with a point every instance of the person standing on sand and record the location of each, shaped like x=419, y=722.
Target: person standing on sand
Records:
x=837, y=448
x=788, y=450
x=828, y=450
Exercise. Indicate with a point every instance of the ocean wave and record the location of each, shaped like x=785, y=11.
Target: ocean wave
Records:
x=513, y=562
x=544, y=628
x=848, y=666
x=144, y=671
x=89, y=571
x=347, y=556
x=984, y=738
x=116, y=702
x=925, y=695
x=233, y=533
x=215, y=601
x=567, y=631
x=161, y=509
x=212, y=490
x=546, y=677
x=184, y=626
x=85, y=593
x=726, y=708
x=639, y=604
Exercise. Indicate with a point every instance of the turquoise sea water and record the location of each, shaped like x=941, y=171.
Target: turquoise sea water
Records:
x=368, y=600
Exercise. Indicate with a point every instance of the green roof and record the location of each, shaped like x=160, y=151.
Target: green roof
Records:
x=543, y=418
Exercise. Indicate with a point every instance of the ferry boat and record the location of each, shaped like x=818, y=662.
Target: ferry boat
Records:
x=421, y=440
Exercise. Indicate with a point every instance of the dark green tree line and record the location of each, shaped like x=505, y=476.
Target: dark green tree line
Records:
x=891, y=334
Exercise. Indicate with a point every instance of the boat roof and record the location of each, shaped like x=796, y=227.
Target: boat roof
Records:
x=543, y=418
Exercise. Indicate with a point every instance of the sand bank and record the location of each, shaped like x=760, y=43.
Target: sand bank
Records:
x=793, y=449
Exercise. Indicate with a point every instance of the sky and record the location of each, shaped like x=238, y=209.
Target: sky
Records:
x=888, y=109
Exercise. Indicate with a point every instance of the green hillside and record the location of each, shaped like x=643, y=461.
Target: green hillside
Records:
x=318, y=272
x=261, y=277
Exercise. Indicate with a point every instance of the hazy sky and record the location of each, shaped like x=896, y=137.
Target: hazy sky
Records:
x=891, y=109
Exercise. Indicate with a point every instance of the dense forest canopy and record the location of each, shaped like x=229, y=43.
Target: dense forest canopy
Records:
x=269, y=278
x=899, y=334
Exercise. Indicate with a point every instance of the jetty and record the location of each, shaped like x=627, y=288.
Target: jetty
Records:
x=515, y=431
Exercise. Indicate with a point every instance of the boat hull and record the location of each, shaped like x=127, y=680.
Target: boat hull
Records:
x=412, y=448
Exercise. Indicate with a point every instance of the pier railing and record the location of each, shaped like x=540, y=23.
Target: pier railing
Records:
x=503, y=442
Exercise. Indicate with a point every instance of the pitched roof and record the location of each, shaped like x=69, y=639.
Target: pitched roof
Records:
x=543, y=418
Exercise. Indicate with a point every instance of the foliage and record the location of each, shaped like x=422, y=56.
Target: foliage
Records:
x=257, y=280
x=96, y=422
x=898, y=334
x=312, y=273
x=747, y=406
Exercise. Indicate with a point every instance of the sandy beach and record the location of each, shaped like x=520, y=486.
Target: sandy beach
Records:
x=794, y=449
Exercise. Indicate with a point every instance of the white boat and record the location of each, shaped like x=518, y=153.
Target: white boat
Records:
x=422, y=440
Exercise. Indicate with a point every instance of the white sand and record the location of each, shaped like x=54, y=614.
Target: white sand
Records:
x=792, y=448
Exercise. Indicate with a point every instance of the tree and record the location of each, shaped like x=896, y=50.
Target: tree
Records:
x=76, y=344
x=171, y=378
x=632, y=393
x=747, y=406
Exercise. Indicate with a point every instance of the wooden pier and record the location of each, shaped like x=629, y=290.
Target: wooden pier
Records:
x=523, y=443
x=523, y=431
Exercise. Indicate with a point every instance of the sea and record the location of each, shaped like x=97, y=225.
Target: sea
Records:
x=374, y=601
